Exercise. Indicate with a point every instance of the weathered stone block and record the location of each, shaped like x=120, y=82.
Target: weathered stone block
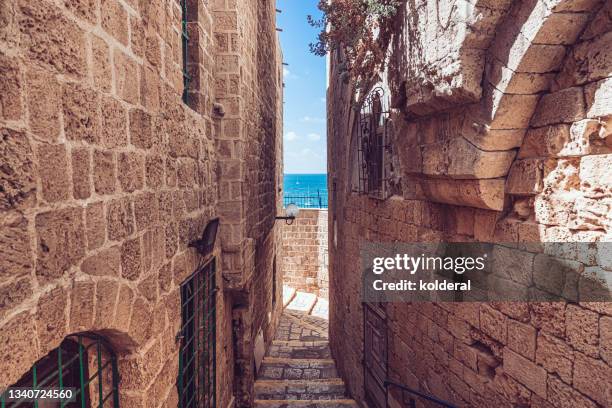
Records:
x=555, y=356
x=154, y=168
x=522, y=338
x=150, y=89
x=101, y=66
x=130, y=171
x=561, y=28
x=104, y=175
x=43, y=94
x=126, y=77
x=51, y=38
x=81, y=173
x=598, y=99
x=115, y=20
x=120, y=219
x=95, y=225
x=563, y=396
x=11, y=89
x=507, y=111
x=605, y=339
x=16, y=259
x=81, y=113
x=60, y=238
x=545, y=141
x=13, y=293
x=53, y=171
x=113, y=131
x=525, y=177
x=140, y=129
x=140, y=321
x=525, y=371
x=595, y=172
x=582, y=330
x=486, y=194
x=123, y=309
x=563, y=106
x=106, y=298
x=17, y=183
x=85, y=9
x=82, y=306
x=51, y=317
x=131, y=259
x=18, y=335
x=549, y=317
x=104, y=263
x=592, y=378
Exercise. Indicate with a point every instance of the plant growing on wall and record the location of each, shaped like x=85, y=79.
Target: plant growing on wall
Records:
x=360, y=28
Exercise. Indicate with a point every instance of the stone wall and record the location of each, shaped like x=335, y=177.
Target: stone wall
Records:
x=304, y=249
x=107, y=175
x=521, y=155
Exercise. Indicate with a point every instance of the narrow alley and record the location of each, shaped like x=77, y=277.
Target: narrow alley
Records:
x=298, y=369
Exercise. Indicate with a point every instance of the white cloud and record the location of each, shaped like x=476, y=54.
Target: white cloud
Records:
x=311, y=119
x=286, y=72
x=314, y=137
x=290, y=136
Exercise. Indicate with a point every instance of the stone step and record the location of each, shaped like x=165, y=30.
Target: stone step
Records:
x=299, y=349
x=302, y=302
x=327, y=389
x=293, y=328
x=297, y=369
x=337, y=403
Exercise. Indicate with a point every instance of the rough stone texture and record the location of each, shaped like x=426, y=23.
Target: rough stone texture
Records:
x=528, y=75
x=304, y=262
x=107, y=174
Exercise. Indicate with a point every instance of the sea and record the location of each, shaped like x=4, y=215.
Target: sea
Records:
x=306, y=190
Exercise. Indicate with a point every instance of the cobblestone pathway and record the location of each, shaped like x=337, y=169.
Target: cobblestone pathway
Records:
x=298, y=370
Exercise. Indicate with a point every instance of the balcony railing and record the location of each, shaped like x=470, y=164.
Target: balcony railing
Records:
x=312, y=200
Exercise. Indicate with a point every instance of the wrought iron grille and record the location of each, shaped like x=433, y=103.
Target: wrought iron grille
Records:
x=197, y=357
x=185, y=43
x=70, y=366
x=373, y=144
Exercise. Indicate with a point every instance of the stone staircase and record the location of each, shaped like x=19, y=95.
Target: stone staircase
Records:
x=298, y=370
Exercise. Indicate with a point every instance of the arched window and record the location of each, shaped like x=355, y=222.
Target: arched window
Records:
x=83, y=365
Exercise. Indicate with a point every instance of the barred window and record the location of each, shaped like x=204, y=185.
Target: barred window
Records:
x=197, y=356
x=373, y=146
x=84, y=363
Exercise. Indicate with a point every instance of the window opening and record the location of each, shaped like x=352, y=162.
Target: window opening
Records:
x=373, y=144
x=84, y=363
x=197, y=356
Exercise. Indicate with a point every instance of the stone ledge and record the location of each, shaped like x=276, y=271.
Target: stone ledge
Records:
x=487, y=194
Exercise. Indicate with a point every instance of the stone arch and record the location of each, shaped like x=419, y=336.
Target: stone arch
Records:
x=522, y=61
x=109, y=307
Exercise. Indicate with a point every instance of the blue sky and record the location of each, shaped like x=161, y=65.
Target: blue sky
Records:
x=304, y=135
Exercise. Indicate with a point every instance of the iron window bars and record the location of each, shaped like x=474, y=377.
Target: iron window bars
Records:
x=373, y=144
x=197, y=356
x=185, y=43
x=69, y=366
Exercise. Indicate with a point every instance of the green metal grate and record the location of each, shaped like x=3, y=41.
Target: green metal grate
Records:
x=69, y=366
x=185, y=42
x=197, y=357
